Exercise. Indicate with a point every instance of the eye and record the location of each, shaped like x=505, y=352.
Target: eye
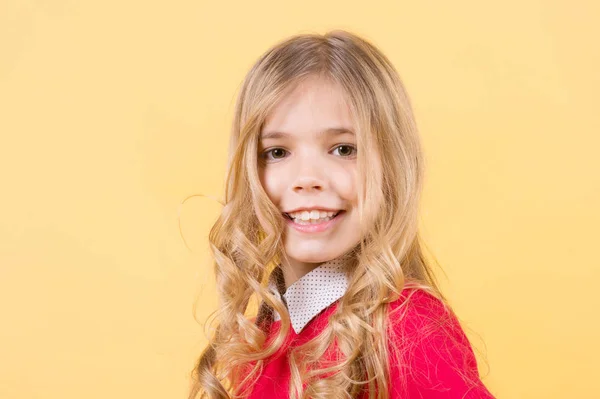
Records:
x=277, y=152
x=347, y=151
x=347, y=148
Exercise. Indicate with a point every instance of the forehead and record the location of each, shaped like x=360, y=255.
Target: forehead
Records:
x=313, y=107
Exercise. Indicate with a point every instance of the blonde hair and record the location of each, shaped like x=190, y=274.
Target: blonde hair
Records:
x=246, y=239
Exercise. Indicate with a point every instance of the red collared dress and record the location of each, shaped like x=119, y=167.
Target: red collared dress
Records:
x=440, y=365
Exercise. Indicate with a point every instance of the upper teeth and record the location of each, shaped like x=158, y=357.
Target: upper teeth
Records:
x=314, y=214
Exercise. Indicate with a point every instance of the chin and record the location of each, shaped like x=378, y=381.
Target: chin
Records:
x=318, y=257
x=314, y=254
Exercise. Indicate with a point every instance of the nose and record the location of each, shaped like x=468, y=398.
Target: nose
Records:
x=310, y=176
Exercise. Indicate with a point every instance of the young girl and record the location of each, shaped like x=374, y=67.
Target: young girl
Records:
x=319, y=227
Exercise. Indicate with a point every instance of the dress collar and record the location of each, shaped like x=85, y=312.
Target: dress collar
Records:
x=312, y=293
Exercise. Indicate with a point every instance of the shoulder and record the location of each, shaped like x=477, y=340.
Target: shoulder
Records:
x=431, y=355
x=420, y=311
x=420, y=321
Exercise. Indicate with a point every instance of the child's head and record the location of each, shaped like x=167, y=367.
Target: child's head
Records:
x=307, y=166
x=323, y=122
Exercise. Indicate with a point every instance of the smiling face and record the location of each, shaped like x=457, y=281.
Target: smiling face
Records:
x=307, y=161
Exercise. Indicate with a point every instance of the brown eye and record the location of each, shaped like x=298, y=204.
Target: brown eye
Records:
x=277, y=153
x=346, y=150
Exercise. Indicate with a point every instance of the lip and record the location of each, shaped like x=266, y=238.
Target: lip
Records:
x=313, y=208
x=318, y=227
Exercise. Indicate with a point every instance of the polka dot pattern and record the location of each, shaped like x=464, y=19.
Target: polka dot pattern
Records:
x=313, y=292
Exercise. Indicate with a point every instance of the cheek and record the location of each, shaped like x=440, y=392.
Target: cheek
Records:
x=272, y=184
x=346, y=185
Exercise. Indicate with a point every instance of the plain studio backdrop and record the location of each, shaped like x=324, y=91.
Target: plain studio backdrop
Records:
x=113, y=112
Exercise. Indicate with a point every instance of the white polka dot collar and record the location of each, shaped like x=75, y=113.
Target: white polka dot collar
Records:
x=313, y=292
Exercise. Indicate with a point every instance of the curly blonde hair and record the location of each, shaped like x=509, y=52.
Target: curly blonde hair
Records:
x=246, y=239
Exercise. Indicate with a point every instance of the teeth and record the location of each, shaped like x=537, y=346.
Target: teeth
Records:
x=311, y=217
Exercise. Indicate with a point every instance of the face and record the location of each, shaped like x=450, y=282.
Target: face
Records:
x=307, y=166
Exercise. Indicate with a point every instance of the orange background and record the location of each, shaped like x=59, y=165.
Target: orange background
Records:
x=113, y=112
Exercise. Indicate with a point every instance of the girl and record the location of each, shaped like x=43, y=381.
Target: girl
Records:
x=319, y=227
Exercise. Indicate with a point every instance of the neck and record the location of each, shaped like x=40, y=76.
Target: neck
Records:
x=294, y=270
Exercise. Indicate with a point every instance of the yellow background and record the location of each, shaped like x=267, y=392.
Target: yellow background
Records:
x=113, y=112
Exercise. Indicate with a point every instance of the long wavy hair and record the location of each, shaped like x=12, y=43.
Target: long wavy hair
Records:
x=246, y=240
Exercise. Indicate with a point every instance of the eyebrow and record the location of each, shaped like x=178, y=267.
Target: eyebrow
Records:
x=332, y=131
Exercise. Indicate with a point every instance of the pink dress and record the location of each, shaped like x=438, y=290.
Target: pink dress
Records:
x=438, y=361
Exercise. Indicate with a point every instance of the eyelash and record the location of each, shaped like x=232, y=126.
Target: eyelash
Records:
x=266, y=152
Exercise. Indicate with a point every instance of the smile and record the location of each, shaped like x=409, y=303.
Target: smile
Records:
x=315, y=225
